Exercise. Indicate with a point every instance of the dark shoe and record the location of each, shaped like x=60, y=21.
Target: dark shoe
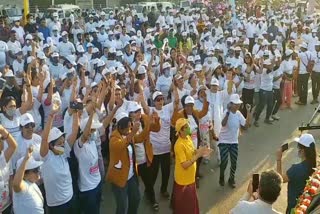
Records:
x=197, y=182
x=256, y=123
x=232, y=183
x=155, y=206
x=300, y=103
x=267, y=121
x=221, y=182
x=165, y=194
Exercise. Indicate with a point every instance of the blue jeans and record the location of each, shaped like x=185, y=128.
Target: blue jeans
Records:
x=90, y=200
x=265, y=98
x=127, y=197
x=65, y=208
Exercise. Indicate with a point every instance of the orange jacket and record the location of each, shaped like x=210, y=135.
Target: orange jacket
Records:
x=119, y=151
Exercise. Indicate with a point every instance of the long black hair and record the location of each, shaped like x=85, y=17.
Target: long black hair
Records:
x=310, y=155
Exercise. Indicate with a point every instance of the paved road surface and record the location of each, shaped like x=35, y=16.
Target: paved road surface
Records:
x=256, y=153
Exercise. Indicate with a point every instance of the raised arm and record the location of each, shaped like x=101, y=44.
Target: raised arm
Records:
x=12, y=144
x=75, y=127
x=44, y=148
x=17, y=184
x=27, y=104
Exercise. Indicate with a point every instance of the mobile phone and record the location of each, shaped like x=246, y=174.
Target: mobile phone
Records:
x=76, y=105
x=2, y=83
x=255, y=182
x=285, y=147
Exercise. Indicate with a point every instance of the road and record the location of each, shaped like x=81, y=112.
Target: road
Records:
x=256, y=153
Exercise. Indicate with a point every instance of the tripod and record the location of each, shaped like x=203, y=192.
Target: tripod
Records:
x=308, y=126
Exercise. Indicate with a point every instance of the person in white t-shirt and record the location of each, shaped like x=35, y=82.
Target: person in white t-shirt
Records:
x=55, y=171
x=27, y=197
x=232, y=121
x=18, y=67
x=3, y=55
x=65, y=47
x=5, y=172
x=85, y=150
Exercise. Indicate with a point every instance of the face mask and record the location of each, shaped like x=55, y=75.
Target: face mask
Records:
x=91, y=21
x=93, y=137
x=188, y=131
x=11, y=112
x=59, y=150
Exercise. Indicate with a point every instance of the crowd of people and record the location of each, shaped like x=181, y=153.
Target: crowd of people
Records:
x=113, y=97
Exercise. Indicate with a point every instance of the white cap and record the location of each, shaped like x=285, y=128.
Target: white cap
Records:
x=198, y=67
x=156, y=94
x=234, y=98
x=9, y=73
x=70, y=58
x=119, y=53
x=190, y=59
x=101, y=63
x=55, y=54
x=305, y=140
x=134, y=107
x=304, y=45
x=26, y=118
x=55, y=14
x=274, y=42
x=266, y=53
x=214, y=81
x=41, y=55
x=102, y=13
x=265, y=43
x=237, y=48
x=29, y=36
x=267, y=62
x=64, y=33
x=54, y=134
x=95, y=123
x=166, y=65
x=184, y=33
x=197, y=57
x=31, y=163
x=289, y=52
x=121, y=115
x=189, y=100
x=89, y=44
x=121, y=70
x=142, y=70
x=93, y=84
x=80, y=49
x=29, y=59
x=215, y=66
x=54, y=27
x=112, y=50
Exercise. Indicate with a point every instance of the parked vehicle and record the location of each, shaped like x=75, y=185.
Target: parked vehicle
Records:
x=13, y=13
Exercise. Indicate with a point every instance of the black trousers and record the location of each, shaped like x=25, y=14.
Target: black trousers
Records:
x=265, y=98
x=247, y=98
x=145, y=172
x=276, y=100
x=315, y=77
x=303, y=87
x=162, y=161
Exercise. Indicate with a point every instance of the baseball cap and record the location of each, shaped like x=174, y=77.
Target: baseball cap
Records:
x=189, y=100
x=134, y=107
x=304, y=45
x=9, y=74
x=26, y=118
x=289, y=52
x=305, y=140
x=156, y=94
x=234, y=98
x=166, y=65
x=142, y=70
x=198, y=67
x=64, y=33
x=80, y=49
x=120, y=115
x=31, y=163
x=54, y=134
x=214, y=81
x=41, y=55
x=94, y=125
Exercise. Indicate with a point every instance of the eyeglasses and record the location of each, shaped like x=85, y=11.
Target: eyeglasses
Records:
x=29, y=125
x=159, y=99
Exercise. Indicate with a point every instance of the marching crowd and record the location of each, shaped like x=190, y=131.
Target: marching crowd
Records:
x=113, y=97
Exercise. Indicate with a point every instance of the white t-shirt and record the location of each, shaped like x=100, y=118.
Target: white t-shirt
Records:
x=4, y=183
x=194, y=130
x=161, y=140
x=140, y=150
x=3, y=56
x=18, y=69
x=28, y=201
x=58, y=119
x=89, y=174
x=130, y=153
x=56, y=176
x=266, y=80
x=305, y=57
x=12, y=126
x=230, y=132
x=23, y=145
x=66, y=49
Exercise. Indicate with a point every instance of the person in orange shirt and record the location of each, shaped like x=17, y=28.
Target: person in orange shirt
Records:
x=185, y=198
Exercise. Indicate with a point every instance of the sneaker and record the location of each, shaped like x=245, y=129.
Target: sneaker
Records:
x=165, y=194
x=221, y=182
x=268, y=121
x=232, y=183
x=271, y=119
x=256, y=123
x=276, y=117
x=155, y=206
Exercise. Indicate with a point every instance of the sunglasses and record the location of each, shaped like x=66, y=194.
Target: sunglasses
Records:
x=159, y=99
x=29, y=125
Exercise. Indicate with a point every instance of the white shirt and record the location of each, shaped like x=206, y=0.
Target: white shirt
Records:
x=250, y=30
x=194, y=130
x=130, y=153
x=253, y=207
x=56, y=176
x=230, y=132
x=161, y=140
x=266, y=80
x=4, y=182
x=140, y=150
x=66, y=49
x=3, y=50
x=89, y=174
x=13, y=47
x=305, y=57
x=18, y=69
x=28, y=201
x=12, y=126
x=316, y=57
